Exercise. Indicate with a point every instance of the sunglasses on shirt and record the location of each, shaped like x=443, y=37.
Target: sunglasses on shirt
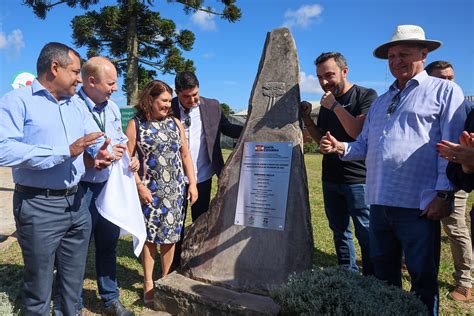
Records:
x=187, y=122
x=394, y=105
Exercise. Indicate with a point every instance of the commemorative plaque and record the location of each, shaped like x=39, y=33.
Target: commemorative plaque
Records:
x=263, y=187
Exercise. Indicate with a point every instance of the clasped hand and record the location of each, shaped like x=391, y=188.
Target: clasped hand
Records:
x=103, y=158
x=462, y=153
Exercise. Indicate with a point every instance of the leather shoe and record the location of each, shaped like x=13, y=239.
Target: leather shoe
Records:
x=116, y=308
x=461, y=294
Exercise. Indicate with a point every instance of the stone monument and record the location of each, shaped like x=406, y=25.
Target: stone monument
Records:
x=251, y=259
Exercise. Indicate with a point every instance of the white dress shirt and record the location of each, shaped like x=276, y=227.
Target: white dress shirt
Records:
x=197, y=144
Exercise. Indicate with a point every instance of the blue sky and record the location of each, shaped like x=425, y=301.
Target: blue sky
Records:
x=226, y=55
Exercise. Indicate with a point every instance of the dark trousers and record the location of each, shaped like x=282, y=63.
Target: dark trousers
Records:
x=106, y=237
x=396, y=230
x=197, y=209
x=51, y=230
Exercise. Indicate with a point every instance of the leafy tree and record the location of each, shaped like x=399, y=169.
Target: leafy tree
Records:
x=137, y=39
x=226, y=109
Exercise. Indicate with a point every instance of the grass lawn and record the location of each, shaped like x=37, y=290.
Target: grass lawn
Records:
x=130, y=274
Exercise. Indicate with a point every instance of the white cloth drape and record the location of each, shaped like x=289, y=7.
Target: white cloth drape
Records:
x=119, y=203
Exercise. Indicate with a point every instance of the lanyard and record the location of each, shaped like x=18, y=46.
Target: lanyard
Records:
x=100, y=122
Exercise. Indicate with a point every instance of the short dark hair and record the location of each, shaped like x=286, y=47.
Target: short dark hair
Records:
x=54, y=51
x=438, y=64
x=185, y=80
x=338, y=58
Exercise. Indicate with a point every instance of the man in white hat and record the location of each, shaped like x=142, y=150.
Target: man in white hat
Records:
x=407, y=186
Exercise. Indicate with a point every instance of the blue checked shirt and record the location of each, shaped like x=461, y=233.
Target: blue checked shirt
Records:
x=109, y=113
x=403, y=166
x=35, y=133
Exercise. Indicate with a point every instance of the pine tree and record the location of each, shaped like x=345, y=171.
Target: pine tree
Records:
x=136, y=38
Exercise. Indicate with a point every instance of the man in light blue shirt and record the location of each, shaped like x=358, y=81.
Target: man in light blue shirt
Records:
x=99, y=82
x=407, y=186
x=42, y=136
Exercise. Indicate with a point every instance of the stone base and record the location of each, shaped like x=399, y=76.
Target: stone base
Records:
x=179, y=295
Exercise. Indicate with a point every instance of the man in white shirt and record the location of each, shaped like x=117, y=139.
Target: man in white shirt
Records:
x=204, y=121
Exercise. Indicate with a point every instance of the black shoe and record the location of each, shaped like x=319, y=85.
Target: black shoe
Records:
x=117, y=309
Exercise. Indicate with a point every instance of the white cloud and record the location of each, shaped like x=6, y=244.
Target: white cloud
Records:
x=303, y=16
x=204, y=20
x=208, y=55
x=13, y=41
x=3, y=40
x=309, y=84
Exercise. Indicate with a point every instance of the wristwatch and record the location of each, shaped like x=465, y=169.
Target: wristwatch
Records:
x=446, y=195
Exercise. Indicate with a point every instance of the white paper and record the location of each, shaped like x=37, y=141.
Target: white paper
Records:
x=118, y=202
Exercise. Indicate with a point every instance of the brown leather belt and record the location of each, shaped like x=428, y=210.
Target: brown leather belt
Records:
x=45, y=192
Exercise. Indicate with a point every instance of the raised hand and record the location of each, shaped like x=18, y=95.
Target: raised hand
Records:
x=457, y=153
x=467, y=139
x=330, y=145
x=327, y=100
x=78, y=147
x=103, y=158
x=306, y=109
x=462, y=153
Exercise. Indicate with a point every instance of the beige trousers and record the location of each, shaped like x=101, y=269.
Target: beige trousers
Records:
x=460, y=240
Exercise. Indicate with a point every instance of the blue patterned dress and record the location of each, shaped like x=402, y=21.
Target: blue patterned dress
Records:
x=158, y=144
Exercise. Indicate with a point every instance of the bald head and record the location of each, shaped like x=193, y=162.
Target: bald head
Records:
x=99, y=78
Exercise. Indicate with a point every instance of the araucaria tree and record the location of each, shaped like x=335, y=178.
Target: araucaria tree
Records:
x=137, y=39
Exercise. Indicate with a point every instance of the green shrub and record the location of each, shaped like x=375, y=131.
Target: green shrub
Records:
x=310, y=148
x=11, y=280
x=338, y=291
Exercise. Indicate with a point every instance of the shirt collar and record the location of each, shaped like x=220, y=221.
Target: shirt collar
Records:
x=417, y=79
x=185, y=110
x=94, y=107
x=37, y=88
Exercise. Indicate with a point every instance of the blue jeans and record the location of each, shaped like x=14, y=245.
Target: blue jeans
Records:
x=342, y=202
x=396, y=230
x=106, y=237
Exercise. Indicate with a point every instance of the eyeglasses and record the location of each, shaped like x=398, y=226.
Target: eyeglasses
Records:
x=395, y=102
x=187, y=122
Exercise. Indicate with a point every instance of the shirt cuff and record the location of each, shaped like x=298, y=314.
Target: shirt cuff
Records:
x=346, y=145
x=61, y=153
x=443, y=184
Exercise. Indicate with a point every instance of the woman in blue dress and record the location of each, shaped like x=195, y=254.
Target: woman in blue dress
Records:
x=165, y=161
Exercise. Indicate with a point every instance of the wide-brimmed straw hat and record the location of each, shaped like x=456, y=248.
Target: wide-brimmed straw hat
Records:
x=406, y=34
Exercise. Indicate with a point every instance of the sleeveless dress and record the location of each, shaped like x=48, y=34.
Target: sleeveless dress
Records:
x=158, y=145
